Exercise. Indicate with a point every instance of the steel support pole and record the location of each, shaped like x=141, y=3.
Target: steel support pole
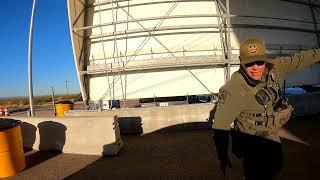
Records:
x=228, y=39
x=30, y=60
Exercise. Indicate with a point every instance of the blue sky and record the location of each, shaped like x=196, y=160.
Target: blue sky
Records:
x=52, y=50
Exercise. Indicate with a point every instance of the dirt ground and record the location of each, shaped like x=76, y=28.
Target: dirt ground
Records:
x=45, y=110
x=174, y=154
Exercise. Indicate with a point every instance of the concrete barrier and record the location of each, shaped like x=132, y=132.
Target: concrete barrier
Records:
x=154, y=118
x=79, y=135
x=98, y=133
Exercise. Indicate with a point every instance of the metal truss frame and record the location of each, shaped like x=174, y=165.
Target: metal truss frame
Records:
x=223, y=28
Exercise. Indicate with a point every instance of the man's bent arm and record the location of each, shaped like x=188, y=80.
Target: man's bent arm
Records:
x=228, y=108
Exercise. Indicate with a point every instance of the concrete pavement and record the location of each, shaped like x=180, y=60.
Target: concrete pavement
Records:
x=174, y=153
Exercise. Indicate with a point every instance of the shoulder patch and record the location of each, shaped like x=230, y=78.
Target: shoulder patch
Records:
x=222, y=96
x=273, y=76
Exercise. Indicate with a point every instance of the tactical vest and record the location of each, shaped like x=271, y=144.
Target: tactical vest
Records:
x=276, y=112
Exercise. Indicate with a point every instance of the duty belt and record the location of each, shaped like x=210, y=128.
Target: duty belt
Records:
x=257, y=115
x=280, y=105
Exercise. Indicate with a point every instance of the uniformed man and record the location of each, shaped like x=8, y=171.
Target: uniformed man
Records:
x=252, y=100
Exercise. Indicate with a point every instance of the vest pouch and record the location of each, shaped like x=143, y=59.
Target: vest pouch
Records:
x=252, y=125
x=263, y=97
x=245, y=124
x=280, y=118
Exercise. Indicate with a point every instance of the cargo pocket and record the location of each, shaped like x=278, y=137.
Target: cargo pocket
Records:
x=282, y=117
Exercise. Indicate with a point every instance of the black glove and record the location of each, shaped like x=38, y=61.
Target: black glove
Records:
x=221, y=139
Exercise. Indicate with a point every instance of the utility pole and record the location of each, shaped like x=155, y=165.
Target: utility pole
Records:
x=53, y=101
x=66, y=81
x=30, y=60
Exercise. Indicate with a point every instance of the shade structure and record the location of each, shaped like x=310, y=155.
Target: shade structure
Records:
x=158, y=48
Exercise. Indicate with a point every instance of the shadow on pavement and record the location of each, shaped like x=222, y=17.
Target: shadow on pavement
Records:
x=180, y=152
x=52, y=139
x=39, y=157
x=183, y=151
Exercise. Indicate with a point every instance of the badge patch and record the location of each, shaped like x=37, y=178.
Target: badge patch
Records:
x=252, y=49
x=222, y=96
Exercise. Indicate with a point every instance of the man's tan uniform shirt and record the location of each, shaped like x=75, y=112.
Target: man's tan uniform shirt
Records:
x=237, y=101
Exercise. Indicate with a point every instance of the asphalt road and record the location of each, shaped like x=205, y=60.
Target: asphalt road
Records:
x=172, y=154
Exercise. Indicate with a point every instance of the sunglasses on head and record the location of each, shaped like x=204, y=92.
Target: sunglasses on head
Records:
x=259, y=63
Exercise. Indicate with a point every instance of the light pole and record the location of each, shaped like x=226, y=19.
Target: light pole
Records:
x=30, y=60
